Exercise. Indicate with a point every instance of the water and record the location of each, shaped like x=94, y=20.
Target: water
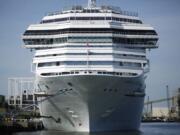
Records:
x=146, y=129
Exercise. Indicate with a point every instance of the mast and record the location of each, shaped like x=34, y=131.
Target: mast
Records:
x=91, y=3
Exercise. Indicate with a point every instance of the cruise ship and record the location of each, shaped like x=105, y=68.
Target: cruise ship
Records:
x=90, y=67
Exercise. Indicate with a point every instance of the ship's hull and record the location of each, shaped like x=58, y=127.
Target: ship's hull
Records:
x=91, y=103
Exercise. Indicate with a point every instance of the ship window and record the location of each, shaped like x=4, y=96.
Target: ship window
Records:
x=65, y=73
x=120, y=63
x=69, y=83
x=30, y=97
x=46, y=64
x=134, y=74
x=57, y=63
x=11, y=101
x=17, y=101
x=108, y=18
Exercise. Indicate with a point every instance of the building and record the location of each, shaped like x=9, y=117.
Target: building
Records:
x=21, y=92
x=178, y=103
x=160, y=112
x=2, y=104
x=2, y=100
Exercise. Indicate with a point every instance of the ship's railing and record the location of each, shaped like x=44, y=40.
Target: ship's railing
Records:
x=104, y=9
x=118, y=10
x=91, y=72
x=117, y=23
x=115, y=46
x=89, y=67
x=94, y=56
x=75, y=8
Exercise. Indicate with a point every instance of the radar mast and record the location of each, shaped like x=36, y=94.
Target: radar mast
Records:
x=91, y=3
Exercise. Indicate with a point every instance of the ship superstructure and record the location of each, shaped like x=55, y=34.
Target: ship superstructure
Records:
x=93, y=60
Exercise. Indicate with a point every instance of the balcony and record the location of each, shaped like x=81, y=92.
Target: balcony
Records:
x=146, y=46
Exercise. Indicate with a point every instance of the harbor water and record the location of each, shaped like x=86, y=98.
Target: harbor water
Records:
x=146, y=129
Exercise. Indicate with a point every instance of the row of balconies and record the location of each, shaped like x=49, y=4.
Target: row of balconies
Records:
x=93, y=47
x=91, y=68
x=51, y=46
x=101, y=59
x=88, y=34
x=93, y=57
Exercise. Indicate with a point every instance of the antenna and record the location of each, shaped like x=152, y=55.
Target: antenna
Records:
x=91, y=3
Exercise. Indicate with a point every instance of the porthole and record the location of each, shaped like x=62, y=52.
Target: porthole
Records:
x=69, y=83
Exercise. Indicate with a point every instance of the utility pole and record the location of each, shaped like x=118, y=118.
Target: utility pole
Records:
x=178, y=100
x=168, y=101
x=148, y=107
x=151, y=109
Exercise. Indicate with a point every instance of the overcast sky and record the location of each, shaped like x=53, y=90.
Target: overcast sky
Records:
x=163, y=15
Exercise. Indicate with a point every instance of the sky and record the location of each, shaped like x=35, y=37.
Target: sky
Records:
x=163, y=15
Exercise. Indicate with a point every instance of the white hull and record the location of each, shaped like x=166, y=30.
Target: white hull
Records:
x=92, y=103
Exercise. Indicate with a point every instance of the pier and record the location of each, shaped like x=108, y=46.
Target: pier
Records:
x=20, y=111
x=170, y=113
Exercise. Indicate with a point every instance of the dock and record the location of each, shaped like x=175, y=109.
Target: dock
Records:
x=168, y=113
x=16, y=125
